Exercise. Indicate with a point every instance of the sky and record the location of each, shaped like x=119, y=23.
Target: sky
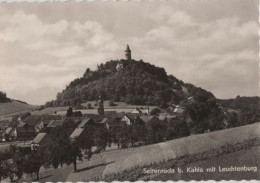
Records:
x=212, y=44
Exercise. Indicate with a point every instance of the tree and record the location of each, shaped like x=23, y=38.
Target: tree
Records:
x=77, y=114
x=155, y=111
x=33, y=161
x=8, y=169
x=25, y=115
x=69, y=112
x=73, y=153
x=58, y=152
x=177, y=129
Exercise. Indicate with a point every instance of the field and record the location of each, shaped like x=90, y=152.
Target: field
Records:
x=156, y=153
x=117, y=161
x=11, y=108
x=120, y=107
x=242, y=158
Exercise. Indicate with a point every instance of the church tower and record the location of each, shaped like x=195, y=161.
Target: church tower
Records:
x=101, y=106
x=128, y=53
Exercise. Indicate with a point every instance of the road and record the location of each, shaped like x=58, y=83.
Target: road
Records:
x=5, y=145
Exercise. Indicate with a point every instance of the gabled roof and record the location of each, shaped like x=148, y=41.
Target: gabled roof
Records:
x=104, y=120
x=112, y=122
x=84, y=122
x=95, y=117
x=39, y=138
x=45, y=121
x=22, y=127
x=32, y=120
x=8, y=130
x=76, y=133
x=132, y=116
x=43, y=140
x=55, y=123
x=35, y=119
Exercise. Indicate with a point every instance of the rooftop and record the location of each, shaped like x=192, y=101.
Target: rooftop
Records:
x=77, y=132
x=39, y=138
x=55, y=123
x=84, y=122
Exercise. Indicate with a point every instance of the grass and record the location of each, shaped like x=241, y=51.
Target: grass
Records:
x=240, y=158
x=14, y=107
x=50, y=110
x=145, y=155
x=127, y=164
x=120, y=107
x=238, y=154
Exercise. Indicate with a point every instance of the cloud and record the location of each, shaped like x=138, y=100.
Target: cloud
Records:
x=219, y=55
x=23, y=27
x=41, y=56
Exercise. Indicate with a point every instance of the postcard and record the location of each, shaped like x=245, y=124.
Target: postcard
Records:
x=129, y=90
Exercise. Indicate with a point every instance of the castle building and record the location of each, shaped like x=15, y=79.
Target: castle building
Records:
x=101, y=106
x=128, y=53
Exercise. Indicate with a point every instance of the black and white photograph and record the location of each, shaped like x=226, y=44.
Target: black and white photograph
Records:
x=129, y=90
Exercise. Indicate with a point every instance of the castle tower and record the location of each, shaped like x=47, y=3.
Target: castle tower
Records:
x=128, y=53
x=101, y=106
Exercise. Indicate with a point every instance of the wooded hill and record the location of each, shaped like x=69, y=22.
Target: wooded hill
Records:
x=137, y=82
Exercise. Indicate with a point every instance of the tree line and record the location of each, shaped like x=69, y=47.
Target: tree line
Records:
x=4, y=98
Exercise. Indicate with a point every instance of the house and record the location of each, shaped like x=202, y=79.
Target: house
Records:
x=179, y=109
x=2, y=129
x=131, y=118
x=128, y=119
x=39, y=121
x=165, y=116
x=86, y=122
x=77, y=133
x=55, y=123
x=41, y=125
x=119, y=66
x=137, y=111
x=147, y=119
x=9, y=134
x=42, y=140
x=114, y=124
x=25, y=131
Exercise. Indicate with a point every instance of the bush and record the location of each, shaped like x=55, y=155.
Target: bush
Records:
x=155, y=111
x=177, y=129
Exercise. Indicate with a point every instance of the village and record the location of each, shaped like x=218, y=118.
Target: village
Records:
x=33, y=130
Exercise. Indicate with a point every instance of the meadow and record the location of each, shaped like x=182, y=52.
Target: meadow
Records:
x=164, y=151
x=116, y=163
x=7, y=110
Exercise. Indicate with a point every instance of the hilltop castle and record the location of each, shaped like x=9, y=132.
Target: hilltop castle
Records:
x=128, y=53
x=128, y=57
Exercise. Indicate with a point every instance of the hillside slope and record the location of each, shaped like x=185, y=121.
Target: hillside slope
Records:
x=13, y=107
x=188, y=145
x=135, y=82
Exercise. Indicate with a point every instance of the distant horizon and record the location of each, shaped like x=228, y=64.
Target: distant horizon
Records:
x=135, y=60
x=212, y=45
